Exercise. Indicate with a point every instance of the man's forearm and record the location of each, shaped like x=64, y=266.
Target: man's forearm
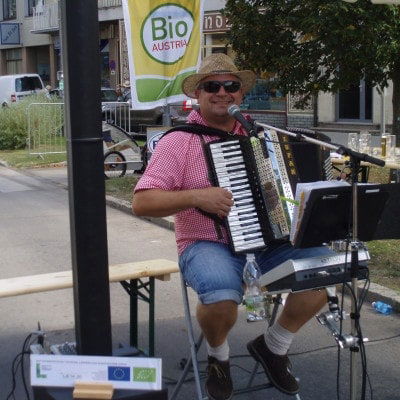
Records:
x=161, y=203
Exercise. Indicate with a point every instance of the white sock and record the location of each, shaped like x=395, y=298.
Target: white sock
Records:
x=221, y=352
x=278, y=339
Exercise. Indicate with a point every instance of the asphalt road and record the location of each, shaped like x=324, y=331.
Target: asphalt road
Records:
x=34, y=238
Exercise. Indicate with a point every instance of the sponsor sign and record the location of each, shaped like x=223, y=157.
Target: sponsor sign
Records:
x=9, y=33
x=153, y=136
x=122, y=372
x=164, y=43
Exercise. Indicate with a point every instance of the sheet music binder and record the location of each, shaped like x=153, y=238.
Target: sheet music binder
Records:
x=328, y=214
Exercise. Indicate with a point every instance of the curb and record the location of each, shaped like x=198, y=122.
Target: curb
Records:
x=381, y=293
x=125, y=206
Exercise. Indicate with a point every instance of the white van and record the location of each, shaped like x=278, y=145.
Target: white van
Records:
x=15, y=87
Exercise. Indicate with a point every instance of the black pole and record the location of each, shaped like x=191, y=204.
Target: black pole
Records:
x=81, y=63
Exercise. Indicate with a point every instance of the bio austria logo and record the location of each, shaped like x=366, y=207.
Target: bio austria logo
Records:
x=166, y=32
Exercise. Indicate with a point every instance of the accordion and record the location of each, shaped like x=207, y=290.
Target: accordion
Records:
x=262, y=173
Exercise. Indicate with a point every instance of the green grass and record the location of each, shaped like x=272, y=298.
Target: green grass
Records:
x=23, y=121
x=22, y=159
x=384, y=265
x=122, y=188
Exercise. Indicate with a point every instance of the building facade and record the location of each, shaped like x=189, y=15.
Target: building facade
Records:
x=30, y=42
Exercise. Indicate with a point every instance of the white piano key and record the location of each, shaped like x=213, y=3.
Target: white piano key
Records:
x=243, y=217
x=224, y=145
x=221, y=159
x=227, y=169
x=242, y=194
x=240, y=188
x=247, y=237
x=233, y=175
x=233, y=183
x=251, y=246
x=250, y=243
x=233, y=222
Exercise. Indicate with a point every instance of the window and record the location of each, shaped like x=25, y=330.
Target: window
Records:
x=31, y=4
x=14, y=61
x=214, y=43
x=9, y=9
x=27, y=83
x=264, y=96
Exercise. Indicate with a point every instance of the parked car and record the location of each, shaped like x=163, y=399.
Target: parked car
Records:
x=16, y=87
x=123, y=116
x=179, y=111
x=139, y=119
x=107, y=94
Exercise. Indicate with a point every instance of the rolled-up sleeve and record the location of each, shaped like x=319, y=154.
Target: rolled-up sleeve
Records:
x=167, y=164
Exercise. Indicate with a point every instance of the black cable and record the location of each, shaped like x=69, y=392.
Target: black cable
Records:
x=15, y=364
x=19, y=362
x=361, y=346
x=14, y=383
x=25, y=349
x=338, y=373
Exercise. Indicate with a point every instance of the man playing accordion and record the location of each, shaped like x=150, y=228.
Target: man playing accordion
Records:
x=176, y=182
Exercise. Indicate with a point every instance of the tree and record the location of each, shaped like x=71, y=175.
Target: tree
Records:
x=319, y=45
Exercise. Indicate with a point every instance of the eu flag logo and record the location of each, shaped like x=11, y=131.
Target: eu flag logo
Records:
x=118, y=373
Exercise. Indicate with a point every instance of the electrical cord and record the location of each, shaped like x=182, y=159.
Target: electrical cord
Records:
x=365, y=376
x=15, y=364
x=25, y=349
x=18, y=362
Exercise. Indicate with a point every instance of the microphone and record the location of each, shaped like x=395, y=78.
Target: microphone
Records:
x=234, y=111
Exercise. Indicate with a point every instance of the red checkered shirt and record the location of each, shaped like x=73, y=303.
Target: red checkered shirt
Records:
x=178, y=163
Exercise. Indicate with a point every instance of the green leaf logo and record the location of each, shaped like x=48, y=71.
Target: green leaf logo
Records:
x=141, y=374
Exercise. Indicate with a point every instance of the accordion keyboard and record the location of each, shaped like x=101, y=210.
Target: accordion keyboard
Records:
x=245, y=226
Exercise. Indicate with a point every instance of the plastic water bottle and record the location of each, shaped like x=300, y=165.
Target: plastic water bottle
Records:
x=382, y=307
x=253, y=297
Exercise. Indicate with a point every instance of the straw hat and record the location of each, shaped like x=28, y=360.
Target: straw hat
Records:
x=215, y=64
x=126, y=84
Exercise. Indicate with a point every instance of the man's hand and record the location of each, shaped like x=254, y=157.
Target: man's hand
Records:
x=214, y=200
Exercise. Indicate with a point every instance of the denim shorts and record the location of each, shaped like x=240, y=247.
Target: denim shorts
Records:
x=215, y=272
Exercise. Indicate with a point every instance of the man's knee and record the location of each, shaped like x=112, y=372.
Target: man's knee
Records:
x=303, y=305
x=222, y=312
x=220, y=308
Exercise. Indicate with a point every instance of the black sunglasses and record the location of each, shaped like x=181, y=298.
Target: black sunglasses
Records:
x=214, y=86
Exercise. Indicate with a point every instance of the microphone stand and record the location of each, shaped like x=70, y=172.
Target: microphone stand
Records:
x=353, y=340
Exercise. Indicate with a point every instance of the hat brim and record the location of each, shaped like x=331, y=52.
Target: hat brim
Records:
x=191, y=82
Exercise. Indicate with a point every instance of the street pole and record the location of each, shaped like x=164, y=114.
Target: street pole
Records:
x=383, y=113
x=81, y=70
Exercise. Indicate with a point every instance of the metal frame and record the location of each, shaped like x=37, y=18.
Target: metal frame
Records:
x=145, y=291
x=193, y=362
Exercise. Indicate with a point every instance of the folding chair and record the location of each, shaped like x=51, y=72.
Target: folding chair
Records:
x=195, y=345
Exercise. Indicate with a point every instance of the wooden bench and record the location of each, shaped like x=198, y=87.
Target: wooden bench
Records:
x=137, y=278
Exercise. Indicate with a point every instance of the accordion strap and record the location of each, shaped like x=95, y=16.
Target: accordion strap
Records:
x=201, y=130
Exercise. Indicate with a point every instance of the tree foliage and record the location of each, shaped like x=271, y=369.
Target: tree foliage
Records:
x=319, y=45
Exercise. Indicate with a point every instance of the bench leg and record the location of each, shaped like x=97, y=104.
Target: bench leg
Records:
x=133, y=303
x=151, y=317
x=137, y=289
